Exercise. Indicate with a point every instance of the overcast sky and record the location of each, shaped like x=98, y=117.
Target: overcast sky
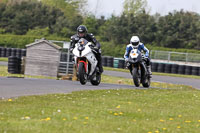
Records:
x=107, y=7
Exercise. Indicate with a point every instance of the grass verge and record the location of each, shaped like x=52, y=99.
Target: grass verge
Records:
x=4, y=73
x=171, y=110
x=154, y=73
x=125, y=81
x=131, y=110
x=3, y=59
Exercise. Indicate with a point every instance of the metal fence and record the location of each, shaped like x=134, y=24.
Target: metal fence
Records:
x=175, y=56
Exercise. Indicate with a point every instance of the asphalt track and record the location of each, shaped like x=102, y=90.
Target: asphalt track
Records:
x=15, y=87
x=166, y=79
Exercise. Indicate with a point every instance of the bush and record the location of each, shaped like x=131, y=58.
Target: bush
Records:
x=20, y=41
x=111, y=49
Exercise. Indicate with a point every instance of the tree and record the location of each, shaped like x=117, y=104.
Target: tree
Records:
x=20, y=17
x=134, y=7
x=178, y=30
x=69, y=7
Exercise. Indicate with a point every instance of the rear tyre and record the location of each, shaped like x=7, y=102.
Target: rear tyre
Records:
x=136, y=77
x=96, y=79
x=82, y=73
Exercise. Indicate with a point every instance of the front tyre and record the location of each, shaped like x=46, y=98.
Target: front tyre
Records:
x=96, y=79
x=82, y=73
x=136, y=77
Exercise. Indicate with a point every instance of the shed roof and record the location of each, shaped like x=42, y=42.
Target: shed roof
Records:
x=46, y=41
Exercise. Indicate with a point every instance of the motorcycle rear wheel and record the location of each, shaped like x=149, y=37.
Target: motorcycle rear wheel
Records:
x=97, y=80
x=136, y=77
x=146, y=82
x=82, y=73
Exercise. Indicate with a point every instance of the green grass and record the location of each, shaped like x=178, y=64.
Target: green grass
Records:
x=104, y=79
x=125, y=81
x=131, y=111
x=154, y=73
x=171, y=110
x=4, y=59
x=4, y=73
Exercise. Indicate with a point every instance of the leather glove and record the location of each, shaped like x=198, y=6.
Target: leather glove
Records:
x=71, y=49
x=127, y=64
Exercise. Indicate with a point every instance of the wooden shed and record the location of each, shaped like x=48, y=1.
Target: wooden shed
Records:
x=42, y=58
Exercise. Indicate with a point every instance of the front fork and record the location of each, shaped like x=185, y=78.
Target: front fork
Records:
x=85, y=62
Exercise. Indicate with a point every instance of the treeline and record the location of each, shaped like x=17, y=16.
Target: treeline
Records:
x=179, y=29
x=36, y=18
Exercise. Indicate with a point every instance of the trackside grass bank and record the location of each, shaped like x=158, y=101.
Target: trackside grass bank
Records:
x=131, y=110
x=154, y=73
x=172, y=110
x=3, y=59
x=120, y=80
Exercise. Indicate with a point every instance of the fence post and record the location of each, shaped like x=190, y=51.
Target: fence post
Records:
x=169, y=54
x=186, y=57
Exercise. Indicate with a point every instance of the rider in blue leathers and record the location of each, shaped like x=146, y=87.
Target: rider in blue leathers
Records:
x=135, y=42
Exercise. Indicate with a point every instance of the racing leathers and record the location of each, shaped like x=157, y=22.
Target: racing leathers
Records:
x=90, y=38
x=140, y=47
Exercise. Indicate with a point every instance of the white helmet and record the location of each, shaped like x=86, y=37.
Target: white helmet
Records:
x=134, y=40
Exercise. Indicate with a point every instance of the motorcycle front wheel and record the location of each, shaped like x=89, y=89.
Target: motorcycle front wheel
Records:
x=136, y=77
x=82, y=73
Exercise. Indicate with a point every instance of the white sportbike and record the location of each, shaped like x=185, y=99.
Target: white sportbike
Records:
x=86, y=62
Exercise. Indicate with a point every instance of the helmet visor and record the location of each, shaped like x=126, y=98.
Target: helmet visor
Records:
x=81, y=34
x=135, y=43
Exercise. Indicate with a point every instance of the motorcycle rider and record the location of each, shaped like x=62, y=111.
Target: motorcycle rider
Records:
x=83, y=33
x=135, y=42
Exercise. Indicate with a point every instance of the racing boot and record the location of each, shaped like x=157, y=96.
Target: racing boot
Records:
x=149, y=71
x=100, y=65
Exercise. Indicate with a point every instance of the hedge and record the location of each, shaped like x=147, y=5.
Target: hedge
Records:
x=20, y=41
x=108, y=48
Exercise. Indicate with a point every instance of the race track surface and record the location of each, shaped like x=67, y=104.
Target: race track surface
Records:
x=15, y=87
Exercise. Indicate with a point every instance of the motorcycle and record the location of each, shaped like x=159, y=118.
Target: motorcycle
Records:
x=138, y=69
x=86, y=62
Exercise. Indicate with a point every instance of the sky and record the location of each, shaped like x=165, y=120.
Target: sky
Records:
x=108, y=7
